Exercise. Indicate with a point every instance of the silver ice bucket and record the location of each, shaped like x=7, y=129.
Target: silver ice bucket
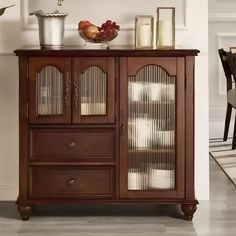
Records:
x=51, y=28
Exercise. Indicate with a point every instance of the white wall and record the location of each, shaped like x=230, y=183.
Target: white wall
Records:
x=222, y=34
x=16, y=31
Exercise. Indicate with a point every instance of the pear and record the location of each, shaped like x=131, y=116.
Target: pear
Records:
x=91, y=31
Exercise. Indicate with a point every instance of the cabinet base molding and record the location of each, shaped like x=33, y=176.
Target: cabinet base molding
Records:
x=188, y=208
x=78, y=201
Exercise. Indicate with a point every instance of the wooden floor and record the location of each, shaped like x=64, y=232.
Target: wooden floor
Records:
x=216, y=217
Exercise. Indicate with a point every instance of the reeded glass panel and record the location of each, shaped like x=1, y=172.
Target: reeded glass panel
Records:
x=50, y=91
x=151, y=129
x=93, y=91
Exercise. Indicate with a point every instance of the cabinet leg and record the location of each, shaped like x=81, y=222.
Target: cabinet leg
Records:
x=25, y=211
x=189, y=210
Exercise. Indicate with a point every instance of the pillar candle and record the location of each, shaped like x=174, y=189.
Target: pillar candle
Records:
x=165, y=37
x=145, y=35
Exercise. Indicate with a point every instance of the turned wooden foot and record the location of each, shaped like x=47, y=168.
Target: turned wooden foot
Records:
x=25, y=211
x=189, y=210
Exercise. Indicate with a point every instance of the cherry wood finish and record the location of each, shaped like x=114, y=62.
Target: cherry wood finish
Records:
x=117, y=51
x=188, y=210
x=71, y=182
x=23, y=205
x=80, y=65
x=25, y=211
x=72, y=145
x=175, y=67
x=35, y=65
x=189, y=135
x=54, y=169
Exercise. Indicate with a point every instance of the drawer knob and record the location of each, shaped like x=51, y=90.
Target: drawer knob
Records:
x=71, y=181
x=72, y=144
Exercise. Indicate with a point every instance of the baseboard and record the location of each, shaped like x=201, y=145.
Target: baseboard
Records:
x=216, y=129
x=8, y=192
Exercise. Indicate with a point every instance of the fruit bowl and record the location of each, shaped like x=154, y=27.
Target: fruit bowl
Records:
x=95, y=34
x=104, y=39
x=99, y=37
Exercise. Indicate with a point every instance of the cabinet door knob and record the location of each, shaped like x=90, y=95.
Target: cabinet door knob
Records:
x=71, y=181
x=72, y=144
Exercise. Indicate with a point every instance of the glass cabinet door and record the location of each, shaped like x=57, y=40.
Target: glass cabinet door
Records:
x=94, y=90
x=152, y=130
x=49, y=90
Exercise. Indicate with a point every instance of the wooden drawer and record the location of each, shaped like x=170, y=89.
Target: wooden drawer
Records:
x=74, y=145
x=71, y=182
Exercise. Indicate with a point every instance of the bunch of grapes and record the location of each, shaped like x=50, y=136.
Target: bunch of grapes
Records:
x=108, y=31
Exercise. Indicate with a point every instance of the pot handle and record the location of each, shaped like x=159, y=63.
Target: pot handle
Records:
x=36, y=13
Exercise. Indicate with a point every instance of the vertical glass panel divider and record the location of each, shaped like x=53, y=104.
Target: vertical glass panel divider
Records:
x=151, y=130
x=76, y=90
x=49, y=82
x=93, y=92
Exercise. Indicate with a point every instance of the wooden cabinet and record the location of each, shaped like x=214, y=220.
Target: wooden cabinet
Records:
x=111, y=126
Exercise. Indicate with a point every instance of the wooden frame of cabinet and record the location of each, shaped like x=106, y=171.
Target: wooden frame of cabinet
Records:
x=63, y=65
x=107, y=65
x=106, y=163
x=175, y=67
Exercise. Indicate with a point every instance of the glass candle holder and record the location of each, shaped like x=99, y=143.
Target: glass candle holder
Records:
x=144, y=32
x=165, y=36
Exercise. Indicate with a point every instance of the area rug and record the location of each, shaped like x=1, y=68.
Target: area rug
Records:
x=223, y=154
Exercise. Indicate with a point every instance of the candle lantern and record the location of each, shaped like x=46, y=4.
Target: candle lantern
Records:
x=165, y=36
x=144, y=32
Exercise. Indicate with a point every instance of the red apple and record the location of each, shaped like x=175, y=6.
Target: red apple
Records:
x=84, y=24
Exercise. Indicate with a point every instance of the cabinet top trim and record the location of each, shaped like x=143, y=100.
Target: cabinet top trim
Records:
x=113, y=51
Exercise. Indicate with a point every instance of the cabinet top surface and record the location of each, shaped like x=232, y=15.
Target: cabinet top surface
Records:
x=96, y=51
